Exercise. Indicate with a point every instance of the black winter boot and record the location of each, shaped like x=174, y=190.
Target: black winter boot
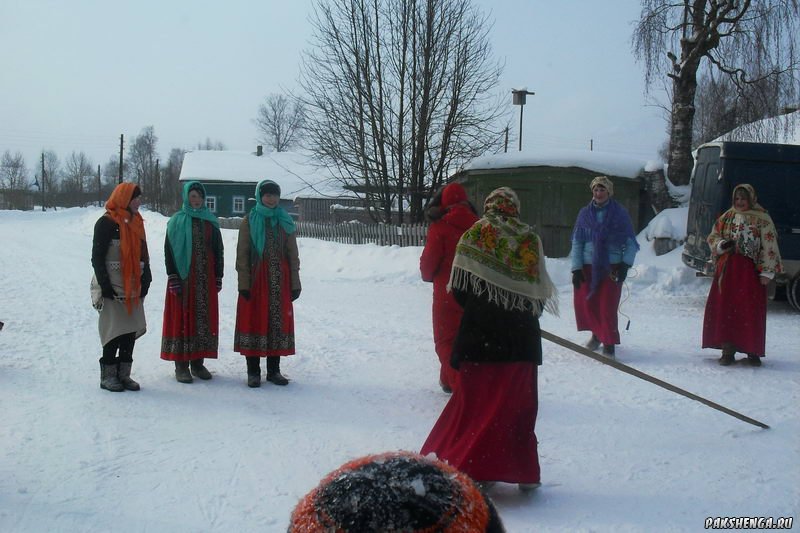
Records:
x=109, y=379
x=728, y=356
x=199, y=370
x=609, y=350
x=274, y=371
x=182, y=372
x=593, y=343
x=253, y=372
x=124, y=373
x=754, y=360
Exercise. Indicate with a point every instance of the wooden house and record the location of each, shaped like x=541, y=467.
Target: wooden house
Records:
x=230, y=178
x=553, y=187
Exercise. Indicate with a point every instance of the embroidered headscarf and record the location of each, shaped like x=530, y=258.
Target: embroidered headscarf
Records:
x=179, y=228
x=612, y=229
x=131, y=236
x=603, y=181
x=396, y=491
x=760, y=246
x=261, y=214
x=502, y=257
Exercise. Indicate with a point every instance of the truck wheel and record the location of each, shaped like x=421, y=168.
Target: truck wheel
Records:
x=793, y=292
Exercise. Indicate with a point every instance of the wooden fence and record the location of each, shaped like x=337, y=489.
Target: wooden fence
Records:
x=355, y=233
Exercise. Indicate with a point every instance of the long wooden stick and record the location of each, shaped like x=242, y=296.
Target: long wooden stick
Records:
x=641, y=375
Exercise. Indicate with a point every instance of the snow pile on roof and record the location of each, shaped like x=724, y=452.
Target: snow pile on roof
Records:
x=612, y=164
x=764, y=130
x=296, y=173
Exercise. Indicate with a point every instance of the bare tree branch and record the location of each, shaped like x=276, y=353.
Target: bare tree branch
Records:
x=399, y=93
x=751, y=42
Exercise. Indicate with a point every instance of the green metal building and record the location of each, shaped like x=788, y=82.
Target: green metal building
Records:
x=552, y=195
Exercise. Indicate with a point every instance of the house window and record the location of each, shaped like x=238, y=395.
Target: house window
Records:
x=238, y=204
x=211, y=203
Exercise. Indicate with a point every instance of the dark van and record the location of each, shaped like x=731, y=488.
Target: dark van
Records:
x=774, y=171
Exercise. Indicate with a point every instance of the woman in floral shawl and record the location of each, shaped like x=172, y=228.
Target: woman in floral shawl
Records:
x=193, y=254
x=744, y=248
x=499, y=277
x=268, y=265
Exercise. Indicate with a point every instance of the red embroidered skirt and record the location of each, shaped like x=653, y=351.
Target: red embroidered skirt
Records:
x=737, y=313
x=486, y=430
x=191, y=319
x=598, y=313
x=265, y=322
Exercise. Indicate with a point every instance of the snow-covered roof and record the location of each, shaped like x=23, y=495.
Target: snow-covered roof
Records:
x=601, y=162
x=295, y=172
x=783, y=129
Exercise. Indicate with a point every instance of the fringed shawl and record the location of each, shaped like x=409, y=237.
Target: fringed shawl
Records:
x=752, y=231
x=613, y=230
x=500, y=256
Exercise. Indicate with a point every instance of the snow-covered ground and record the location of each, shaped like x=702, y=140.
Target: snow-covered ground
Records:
x=617, y=453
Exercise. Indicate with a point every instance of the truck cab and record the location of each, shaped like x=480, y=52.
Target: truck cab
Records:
x=774, y=171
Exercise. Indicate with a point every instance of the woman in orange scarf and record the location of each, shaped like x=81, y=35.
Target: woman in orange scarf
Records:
x=122, y=270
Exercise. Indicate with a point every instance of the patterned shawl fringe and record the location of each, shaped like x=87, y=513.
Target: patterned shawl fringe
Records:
x=467, y=281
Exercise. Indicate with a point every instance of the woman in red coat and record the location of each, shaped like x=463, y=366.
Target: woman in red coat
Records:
x=450, y=220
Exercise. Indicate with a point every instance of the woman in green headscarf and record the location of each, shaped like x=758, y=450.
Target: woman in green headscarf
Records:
x=268, y=265
x=193, y=253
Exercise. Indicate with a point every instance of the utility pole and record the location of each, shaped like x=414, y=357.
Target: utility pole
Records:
x=99, y=188
x=43, y=175
x=518, y=98
x=121, y=137
x=158, y=185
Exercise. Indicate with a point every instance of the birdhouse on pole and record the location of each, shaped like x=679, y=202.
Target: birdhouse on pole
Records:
x=518, y=97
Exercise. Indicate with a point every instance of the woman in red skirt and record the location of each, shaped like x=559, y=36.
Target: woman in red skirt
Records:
x=745, y=252
x=193, y=253
x=603, y=249
x=268, y=265
x=487, y=428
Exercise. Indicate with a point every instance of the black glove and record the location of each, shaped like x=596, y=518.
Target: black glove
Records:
x=726, y=245
x=295, y=294
x=244, y=293
x=621, y=272
x=577, y=279
x=108, y=291
x=145, y=290
x=219, y=284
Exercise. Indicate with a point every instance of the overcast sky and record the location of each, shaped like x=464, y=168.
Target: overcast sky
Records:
x=76, y=75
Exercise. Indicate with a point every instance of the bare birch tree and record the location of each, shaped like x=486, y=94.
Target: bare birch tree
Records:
x=749, y=41
x=76, y=178
x=14, y=179
x=280, y=122
x=398, y=94
x=171, y=189
x=142, y=157
x=208, y=144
